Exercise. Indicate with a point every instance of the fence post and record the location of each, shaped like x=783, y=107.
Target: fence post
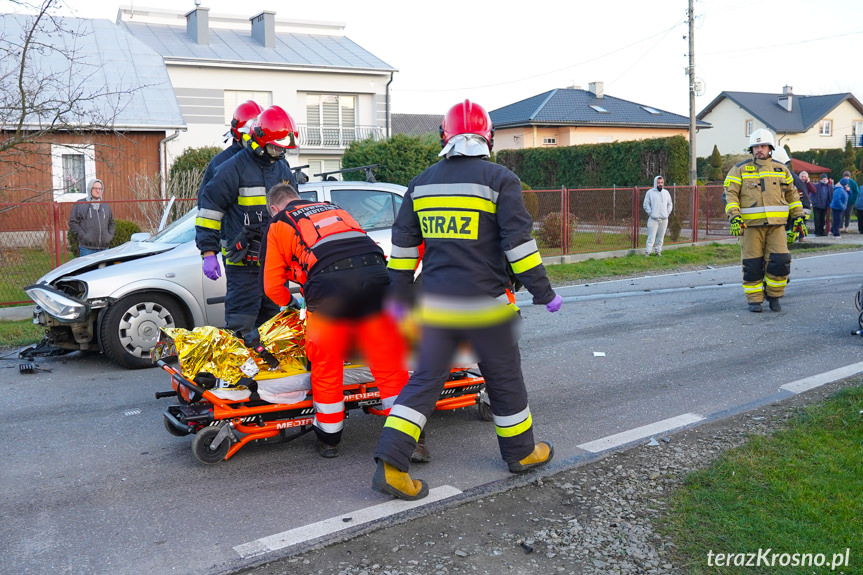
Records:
x=55, y=232
x=564, y=220
x=636, y=216
x=695, y=213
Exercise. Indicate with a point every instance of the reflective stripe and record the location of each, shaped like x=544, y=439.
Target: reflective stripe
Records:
x=759, y=212
x=329, y=407
x=730, y=205
x=759, y=175
x=521, y=251
x=207, y=223
x=480, y=204
x=448, y=224
x=410, y=414
x=338, y=236
x=256, y=196
x=527, y=263
x=403, y=425
x=515, y=429
x=475, y=190
x=753, y=288
x=730, y=179
x=775, y=283
x=400, y=252
x=795, y=205
x=388, y=402
x=467, y=318
x=322, y=223
x=329, y=427
x=210, y=214
x=401, y=264
x=510, y=420
x=253, y=191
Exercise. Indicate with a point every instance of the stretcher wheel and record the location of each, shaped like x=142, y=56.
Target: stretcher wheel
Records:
x=201, y=446
x=483, y=405
x=173, y=430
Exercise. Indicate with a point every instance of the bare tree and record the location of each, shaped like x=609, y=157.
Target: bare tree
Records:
x=49, y=81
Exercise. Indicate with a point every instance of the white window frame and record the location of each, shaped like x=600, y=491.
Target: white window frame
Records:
x=234, y=98
x=552, y=141
x=747, y=127
x=857, y=127
x=825, y=128
x=327, y=134
x=321, y=165
x=57, y=152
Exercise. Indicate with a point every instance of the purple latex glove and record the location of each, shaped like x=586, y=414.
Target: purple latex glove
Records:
x=395, y=309
x=554, y=305
x=211, y=267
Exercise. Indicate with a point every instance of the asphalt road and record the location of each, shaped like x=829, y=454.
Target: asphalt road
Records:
x=94, y=484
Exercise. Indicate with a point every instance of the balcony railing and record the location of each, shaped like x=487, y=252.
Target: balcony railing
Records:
x=335, y=136
x=856, y=140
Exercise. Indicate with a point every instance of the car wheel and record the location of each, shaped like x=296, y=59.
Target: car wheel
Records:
x=131, y=326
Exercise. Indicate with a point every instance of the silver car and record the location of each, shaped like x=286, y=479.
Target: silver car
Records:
x=116, y=301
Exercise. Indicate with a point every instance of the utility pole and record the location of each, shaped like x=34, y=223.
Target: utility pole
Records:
x=693, y=172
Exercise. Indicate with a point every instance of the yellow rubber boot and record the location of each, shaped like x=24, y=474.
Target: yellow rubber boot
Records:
x=541, y=454
x=397, y=483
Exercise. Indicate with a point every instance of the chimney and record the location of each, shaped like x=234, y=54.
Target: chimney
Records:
x=786, y=97
x=597, y=89
x=264, y=28
x=197, y=25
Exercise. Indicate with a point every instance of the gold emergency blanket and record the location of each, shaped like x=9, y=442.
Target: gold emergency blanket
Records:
x=219, y=352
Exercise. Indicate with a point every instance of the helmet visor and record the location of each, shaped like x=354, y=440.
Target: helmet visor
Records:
x=289, y=141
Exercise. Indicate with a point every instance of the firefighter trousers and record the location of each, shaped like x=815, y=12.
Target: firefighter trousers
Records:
x=246, y=306
x=500, y=363
x=766, y=262
x=328, y=343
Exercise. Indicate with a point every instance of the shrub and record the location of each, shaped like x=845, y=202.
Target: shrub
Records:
x=123, y=230
x=531, y=202
x=194, y=159
x=549, y=233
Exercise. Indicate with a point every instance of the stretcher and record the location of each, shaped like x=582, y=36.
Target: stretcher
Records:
x=278, y=407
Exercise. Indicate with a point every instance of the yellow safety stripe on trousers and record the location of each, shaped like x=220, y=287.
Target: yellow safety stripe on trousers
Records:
x=753, y=288
x=731, y=205
x=410, y=414
x=516, y=429
x=208, y=223
x=730, y=180
x=403, y=425
x=775, y=283
x=449, y=202
x=465, y=317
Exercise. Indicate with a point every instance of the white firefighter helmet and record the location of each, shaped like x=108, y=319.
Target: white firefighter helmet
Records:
x=762, y=137
x=780, y=155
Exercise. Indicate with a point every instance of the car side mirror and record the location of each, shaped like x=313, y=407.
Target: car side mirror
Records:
x=139, y=237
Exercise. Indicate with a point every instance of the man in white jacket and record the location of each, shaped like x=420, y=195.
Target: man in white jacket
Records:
x=657, y=204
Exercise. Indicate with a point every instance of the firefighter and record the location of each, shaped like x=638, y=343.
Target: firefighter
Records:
x=760, y=198
x=241, y=121
x=343, y=276
x=232, y=218
x=470, y=215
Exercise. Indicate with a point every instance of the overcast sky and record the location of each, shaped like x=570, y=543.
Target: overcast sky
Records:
x=498, y=52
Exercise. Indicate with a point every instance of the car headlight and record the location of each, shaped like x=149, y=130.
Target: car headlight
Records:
x=56, y=303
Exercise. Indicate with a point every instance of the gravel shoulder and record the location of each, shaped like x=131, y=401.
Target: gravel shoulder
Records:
x=595, y=518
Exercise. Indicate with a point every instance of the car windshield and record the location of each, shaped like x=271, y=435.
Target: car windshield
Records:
x=181, y=231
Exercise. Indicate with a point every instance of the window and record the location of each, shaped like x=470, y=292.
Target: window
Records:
x=322, y=166
x=373, y=210
x=599, y=109
x=857, y=128
x=71, y=167
x=825, y=128
x=549, y=141
x=650, y=110
x=234, y=98
x=748, y=128
x=331, y=119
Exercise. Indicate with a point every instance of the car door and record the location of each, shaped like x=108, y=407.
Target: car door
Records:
x=375, y=210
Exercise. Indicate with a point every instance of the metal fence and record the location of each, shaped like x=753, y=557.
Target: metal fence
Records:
x=34, y=236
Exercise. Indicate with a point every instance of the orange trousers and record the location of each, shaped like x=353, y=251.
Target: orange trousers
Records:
x=328, y=343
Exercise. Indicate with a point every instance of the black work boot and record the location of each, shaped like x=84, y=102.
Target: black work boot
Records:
x=774, y=304
x=755, y=306
x=421, y=452
x=327, y=450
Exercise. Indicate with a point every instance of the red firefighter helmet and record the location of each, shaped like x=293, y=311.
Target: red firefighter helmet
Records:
x=274, y=126
x=467, y=118
x=245, y=112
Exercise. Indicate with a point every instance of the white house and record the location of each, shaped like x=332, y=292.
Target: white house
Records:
x=336, y=91
x=802, y=122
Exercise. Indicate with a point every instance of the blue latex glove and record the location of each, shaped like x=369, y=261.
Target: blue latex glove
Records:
x=211, y=267
x=554, y=305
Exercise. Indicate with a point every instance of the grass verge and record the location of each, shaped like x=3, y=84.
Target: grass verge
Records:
x=799, y=490
x=19, y=333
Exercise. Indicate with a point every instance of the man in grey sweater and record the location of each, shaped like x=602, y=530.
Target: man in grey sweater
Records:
x=657, y=204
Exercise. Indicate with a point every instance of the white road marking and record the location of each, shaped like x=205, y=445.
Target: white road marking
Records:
x=649, y=430
x=336, y=524
x=135, y=411
x=820, y=379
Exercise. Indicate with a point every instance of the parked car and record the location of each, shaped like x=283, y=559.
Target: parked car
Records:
x=116, y=301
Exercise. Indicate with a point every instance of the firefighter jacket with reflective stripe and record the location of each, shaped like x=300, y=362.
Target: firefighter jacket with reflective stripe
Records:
x=762, y=193
x=305, y=238
x=236, y=196
x=470, y=214
x=217, y=161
